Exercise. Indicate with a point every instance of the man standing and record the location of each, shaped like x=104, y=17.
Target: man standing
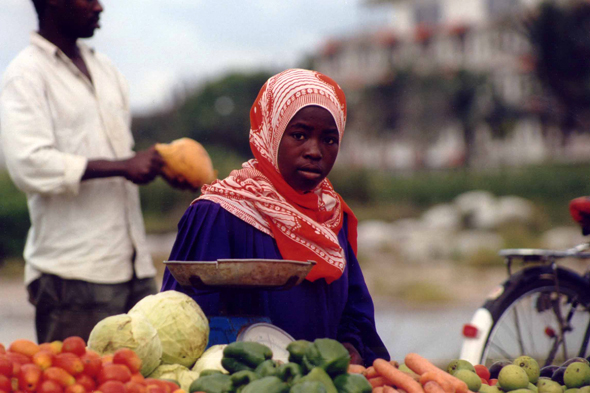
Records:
x=66, y=137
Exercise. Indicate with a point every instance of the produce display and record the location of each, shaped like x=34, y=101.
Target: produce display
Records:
x=159, y=347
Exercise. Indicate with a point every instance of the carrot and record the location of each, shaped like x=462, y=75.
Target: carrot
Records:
x=433, y=387
x=377, y=381
x=370, y=372
x=396, y=377
x=420, y=365
x=378, y=389
x=356, y=369
x=440, y=379
x=389, y=389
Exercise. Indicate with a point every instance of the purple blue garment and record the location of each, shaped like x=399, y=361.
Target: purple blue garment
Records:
x=342, y=310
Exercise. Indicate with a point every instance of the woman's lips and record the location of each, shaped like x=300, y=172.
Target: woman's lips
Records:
x=310, y=173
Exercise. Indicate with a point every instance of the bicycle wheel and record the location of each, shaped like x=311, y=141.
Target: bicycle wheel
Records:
x=524, y=318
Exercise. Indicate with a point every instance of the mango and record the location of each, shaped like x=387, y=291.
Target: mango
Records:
x=459, y=364
x=546, y=385
x=472, y=380
x=576, y=375
x=513, y=377
x=186, y=159
x=530, y=366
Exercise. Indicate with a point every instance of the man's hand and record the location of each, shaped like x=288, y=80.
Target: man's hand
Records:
x=144, y=166
x=355, y=356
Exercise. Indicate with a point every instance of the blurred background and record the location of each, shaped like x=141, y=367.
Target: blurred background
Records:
x=467, y=132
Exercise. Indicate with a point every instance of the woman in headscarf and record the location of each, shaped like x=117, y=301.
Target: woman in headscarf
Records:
x=280, y=205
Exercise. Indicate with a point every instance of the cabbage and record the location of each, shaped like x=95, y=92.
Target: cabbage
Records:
x=211, y=359
x=176, y=372
x=181, y=324
x=128, y=331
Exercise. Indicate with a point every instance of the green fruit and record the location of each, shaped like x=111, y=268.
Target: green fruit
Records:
x=529, y=365
x=459, y=364
x=576, y=375
x=584, y=389
x=532, y=387
x=472, y=380
x=571, y=390
x=547, y=385
x=490, y=389
x=513, y=377
x=524, y=390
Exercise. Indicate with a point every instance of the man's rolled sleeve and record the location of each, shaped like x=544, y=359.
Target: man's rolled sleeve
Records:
x=32, y=158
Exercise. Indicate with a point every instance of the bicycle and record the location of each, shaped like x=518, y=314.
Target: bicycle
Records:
x=542, y=310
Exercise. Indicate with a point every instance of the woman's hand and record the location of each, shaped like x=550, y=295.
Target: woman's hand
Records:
x=355, y=356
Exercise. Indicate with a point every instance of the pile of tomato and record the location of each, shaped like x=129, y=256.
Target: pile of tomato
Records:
x=69, y=367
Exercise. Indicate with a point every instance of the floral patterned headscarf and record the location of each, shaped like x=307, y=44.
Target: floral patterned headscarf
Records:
x=305, y=226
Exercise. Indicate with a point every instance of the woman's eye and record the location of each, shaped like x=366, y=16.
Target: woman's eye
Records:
x=299, y=136
x=331, y=141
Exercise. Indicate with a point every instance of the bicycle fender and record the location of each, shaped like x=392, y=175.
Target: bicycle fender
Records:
x=472, y=348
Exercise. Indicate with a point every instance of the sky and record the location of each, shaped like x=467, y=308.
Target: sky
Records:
x=161, y=45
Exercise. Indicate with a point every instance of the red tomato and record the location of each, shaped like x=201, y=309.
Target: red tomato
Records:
x=482, y=371
x=75, y=345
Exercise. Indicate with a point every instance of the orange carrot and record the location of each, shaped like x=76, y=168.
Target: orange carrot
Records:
x=370, y=372
x=420, y=365
x=377, y=381
x=433, y=387
x=356, y=369
x=389, y=389
x=396, y=377
x=378, y=389
x=440, y=379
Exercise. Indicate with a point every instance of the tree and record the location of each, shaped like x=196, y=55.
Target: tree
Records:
x=560, y=39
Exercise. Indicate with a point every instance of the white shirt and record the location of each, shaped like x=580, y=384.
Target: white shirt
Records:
x=53, y=120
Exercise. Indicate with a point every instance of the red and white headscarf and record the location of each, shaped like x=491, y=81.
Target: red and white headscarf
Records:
x=305, y=226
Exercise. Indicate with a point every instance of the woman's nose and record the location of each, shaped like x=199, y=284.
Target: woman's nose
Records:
x=313, y=149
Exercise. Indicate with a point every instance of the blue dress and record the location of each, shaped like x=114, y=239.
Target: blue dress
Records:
x=342, y=310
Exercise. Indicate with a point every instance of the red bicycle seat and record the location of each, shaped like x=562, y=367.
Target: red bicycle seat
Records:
x=580, y=212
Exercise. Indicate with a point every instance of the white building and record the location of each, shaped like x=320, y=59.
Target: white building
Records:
x=432, y=35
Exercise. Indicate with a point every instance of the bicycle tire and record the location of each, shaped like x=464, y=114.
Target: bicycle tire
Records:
x=522, y=295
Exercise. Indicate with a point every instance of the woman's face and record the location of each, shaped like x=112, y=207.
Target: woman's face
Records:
x=308, y=148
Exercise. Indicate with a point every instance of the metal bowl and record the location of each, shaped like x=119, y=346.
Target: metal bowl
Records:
x=276, y=274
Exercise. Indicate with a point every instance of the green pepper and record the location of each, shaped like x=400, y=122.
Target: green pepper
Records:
x=352, y=383
x=318, y=374
x=209, y=371
x=215, y=383
x=233, y=365
x=308, y=387
x=267, y=385
x=290, y=372
x=268, y=368
x=297, y=349
x=328, y=354
x=242, y=378
x=250, y=354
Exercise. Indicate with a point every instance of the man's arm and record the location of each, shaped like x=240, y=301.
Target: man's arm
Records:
x=140, y=169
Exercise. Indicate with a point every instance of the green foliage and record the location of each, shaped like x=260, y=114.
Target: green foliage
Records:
x=14, y=218
x=561, y=45
x=215, y=113
x=220, y=111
